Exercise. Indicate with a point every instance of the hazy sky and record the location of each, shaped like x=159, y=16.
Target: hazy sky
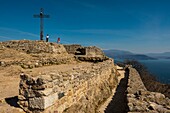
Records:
x=139, y=26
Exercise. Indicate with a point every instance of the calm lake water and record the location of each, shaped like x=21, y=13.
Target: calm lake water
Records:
x=160, y=68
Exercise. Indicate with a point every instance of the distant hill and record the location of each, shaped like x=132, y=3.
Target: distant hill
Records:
x=121, y=54
x=165, y=55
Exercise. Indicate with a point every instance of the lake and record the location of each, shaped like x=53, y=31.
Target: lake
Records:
x=160, y=68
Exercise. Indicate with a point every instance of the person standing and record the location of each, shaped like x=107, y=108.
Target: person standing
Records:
x=58, y=40
x=47, y=37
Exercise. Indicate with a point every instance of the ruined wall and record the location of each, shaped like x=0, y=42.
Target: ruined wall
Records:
x=141, y=100
x=94, y=51
x=72, y=49
x=80, y=90
x=36, y=47
x=90, y=54
x=31, y=54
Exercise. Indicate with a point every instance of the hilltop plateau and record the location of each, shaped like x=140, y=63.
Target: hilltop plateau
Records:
x=38, y=76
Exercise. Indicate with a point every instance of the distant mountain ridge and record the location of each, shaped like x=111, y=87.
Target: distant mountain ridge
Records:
x=165, y=55
x=121, y=54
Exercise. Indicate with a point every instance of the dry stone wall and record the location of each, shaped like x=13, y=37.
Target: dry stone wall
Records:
x=72, y=49
x=140, y=100
x=90, y=54
x=31, y=54
x=36, y=47
x=80, y=90
x=38, y=62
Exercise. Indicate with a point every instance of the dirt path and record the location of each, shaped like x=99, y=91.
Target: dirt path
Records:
x=116, y=103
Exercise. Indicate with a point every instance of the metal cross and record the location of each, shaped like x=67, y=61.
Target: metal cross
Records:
x=41, y=16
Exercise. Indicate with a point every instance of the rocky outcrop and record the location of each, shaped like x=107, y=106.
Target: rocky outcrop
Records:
x=141, y=100
x=80, y=90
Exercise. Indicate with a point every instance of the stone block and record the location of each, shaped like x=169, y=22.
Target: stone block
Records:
x=30, y=81
x=21, y=91
x=23, y=76
x=23, y=103
x=40, y=81
x=21, y=97
x=38, y=87
x=42, y=103
x=36, y=103
x=157, y=107
x=60, y=95
x=23, y=84
x=2, y=64
x=45, y=92
x=43, y=79
x=29, y=93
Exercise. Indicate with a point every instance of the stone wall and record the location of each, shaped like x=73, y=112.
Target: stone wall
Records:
x=94, y=51
x=80, y=90
x=36, y=47
x=72, y=49
x=31, y=54
x=38, y=62
x=90, y=54
x=141, y=100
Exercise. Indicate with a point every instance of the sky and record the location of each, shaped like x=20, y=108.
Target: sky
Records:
x=140, y=26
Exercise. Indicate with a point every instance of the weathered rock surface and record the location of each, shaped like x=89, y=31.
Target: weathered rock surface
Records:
x=69, y=92
x=141, y=100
